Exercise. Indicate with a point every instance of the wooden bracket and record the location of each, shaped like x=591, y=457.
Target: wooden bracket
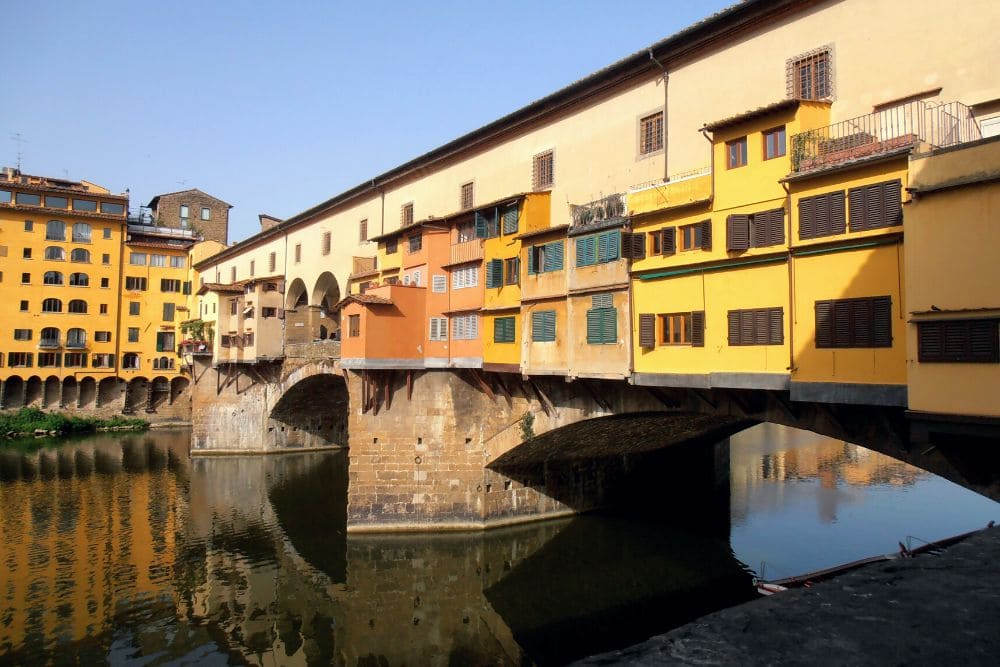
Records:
x=596, y=396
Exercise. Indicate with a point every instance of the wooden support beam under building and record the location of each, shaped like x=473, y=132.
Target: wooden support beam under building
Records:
x=483, y=385
x=596, y=396
x=547, y=405
x=409, y=385
x=388, y=389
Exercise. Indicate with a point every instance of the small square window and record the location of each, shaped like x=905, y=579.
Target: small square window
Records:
x=133, y=334
x=543, y=171
x=466, y=196
x=810, y=76
x=26, y=253
x=651, y=133
x=406, y=215
x=29, y=225
x=774, y=143
x=206, y=213
x=736, y=153
x=107, y=232
x=103, y=309
x=133, y=308
x=105, y=258
x=25, y=278
x=24, y=305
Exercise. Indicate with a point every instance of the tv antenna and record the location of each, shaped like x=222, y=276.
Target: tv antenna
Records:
x=19, y=139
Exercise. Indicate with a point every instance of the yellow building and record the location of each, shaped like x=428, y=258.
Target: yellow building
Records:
x=61, y=255
x=952, y=316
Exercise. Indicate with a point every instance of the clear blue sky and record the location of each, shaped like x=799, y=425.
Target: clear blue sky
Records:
x=281, y=106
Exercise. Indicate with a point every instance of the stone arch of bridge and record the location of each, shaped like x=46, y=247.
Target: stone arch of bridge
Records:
x=310, y=408
x=296, y=296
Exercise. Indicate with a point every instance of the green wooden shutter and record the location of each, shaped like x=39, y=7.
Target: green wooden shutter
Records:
x=481, y=226
x=494, y=273
x=543, y=326
x=609, y=326
x=647, y=330
x=698, y=328
x=585, y=250
x=553, y=256
x=608, y=246
x=532, y=268
x=511, y=216
x=594, y=326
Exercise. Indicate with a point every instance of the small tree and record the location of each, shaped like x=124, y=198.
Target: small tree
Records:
x=528, y=426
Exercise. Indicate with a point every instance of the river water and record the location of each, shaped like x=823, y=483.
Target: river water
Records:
x=123, y=550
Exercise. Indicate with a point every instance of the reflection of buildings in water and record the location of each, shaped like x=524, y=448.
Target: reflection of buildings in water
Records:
x=770, y=453
x=74, y=526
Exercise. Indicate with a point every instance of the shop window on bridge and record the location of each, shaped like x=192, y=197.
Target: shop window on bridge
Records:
x=602, y=320
x=854, y=323
x=543, y=326
x=545, y=257
x=756, y=326
x=959, y=341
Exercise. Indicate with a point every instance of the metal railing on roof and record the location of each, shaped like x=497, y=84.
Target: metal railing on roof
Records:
x=935, y=124
x=605, y=208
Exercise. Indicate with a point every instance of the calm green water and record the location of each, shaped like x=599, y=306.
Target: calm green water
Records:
x=123, y=550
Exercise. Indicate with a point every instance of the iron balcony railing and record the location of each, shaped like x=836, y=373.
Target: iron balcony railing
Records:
x=49, y=343
x=934, y=124
x=605, y=208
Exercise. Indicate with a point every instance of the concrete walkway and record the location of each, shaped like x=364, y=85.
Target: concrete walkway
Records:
x=930, y=610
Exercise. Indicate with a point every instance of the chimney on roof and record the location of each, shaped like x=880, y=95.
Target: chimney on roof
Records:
x=268, y=221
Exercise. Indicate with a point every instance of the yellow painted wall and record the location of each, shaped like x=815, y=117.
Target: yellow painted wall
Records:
x=604, y=360
x=951, y=265
x=545, y=357
x=501, y=353
x=667, y=195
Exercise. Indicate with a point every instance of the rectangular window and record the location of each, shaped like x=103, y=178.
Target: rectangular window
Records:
x=438, y=329
x=353, y=326
x=465, y=327
x=822, y=215
x=25, y=278
x=391, y=246
x=512, y=271
x=106, y=258
x=26, y=199
x=545, y=258
x=756, y=326
x=185, y=213
x=774, y=143
x=854, y=323
x=22, y=334
x=543, y=171
x=810, y=75
x=85, y=205
x=133, y=334
x=736, y=153
x=683, y=329
x=267, y=312
x=234, y=306
x=466, y=276
x=272, y=261
x=24, y=305
x=177, y=262
x=102, y=336
x=232, y=274
x=103, y=361
x=157, y=260
x=112, y=208
x=133, y=307
x=20, y=359
x=494, y=273
x=5, y=196
x=107, y=233
x=511, y=217
x=253, y=267
x=164, y=341
x=406, y=215
x=756, y=230
x=651, y=133
x=602, y=321
x=170, y=285
x=487, y=224
x=326, y=243
x=465, y=231
x=543, y=326
x=75, y=360
x=959, y=341
x=363, y=230
x=206, y=213
x=503, y=330
x=105, y=282
x=875, y=206
x=48, y=359
x=697, y=236
x=137, y=259
x=135, y=284
x=298, y=253
x=663, y=241
x=416, y=242
x=103, y=309
x=465, y=197
x=29, y=225
x=52, y=201
x=26, y=253
x=439, y=284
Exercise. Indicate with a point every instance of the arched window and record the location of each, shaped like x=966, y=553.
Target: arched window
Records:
x=162, y=364
x=52, y=278
x=76, y=338
x=77, y=306
x=79, y=279
x=50, y=337
x=51, y=306
x=81, y=232
x=55, y=252
x=55, y=230
x=130, y=360
x=79, y=255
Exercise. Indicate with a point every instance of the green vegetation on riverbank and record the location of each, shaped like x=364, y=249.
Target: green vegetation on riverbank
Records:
x=32, y=421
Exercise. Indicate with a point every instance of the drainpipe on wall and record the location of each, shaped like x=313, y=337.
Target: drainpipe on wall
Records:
x=791, y=285
x=666, y=134
x=711, y=164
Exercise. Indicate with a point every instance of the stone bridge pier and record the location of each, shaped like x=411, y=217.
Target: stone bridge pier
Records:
x=468, y=449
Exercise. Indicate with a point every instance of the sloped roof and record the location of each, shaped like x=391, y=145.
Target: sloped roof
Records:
x=155, y=200
x=368, y=299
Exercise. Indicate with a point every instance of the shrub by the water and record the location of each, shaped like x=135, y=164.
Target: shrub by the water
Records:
x=29, y=420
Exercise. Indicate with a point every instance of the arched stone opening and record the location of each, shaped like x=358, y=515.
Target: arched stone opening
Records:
x=296, y=295
x=108, y=391
x=312, y=413
x=13, y=392
x=136, y=395
x=33, y=391
x=53, y=389
x=159, y=393
x=70, y=392
x=177, y=387
x=325, y=296
x=88, y=392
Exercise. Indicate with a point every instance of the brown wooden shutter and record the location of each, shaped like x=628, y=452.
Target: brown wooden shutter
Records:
x=807, y=218
x=858, y=211
x=737, y=232
x=633, y=245
x=698, y=328
x=647, y=330
x=761, y=326
x=930, y=341
x=892, y=194
x=824, y=324
x=776, y=326
x=734, y=327
x=882, y=321
x=706, y=234
x=776, y=227
x=668, y=244
x=838, y=219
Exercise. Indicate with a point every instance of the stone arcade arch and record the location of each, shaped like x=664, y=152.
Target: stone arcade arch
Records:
x=13, y=392
x=326, y=295
x=178, y=386
x=295, y=295
x=70, y=392
x=109, y=390
x=33, y=390
x=87, y=393
x=135, y=395
x=159, y=393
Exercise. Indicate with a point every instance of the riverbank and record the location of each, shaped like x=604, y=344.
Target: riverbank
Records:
x=32, y=422
x=930, y=610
